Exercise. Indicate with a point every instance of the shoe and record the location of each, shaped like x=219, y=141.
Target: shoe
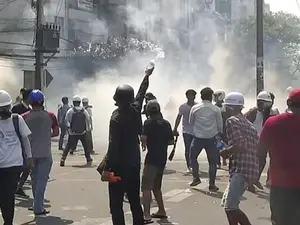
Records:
x=72, y=152
x=252, y=189
x=188, y=171
x=213, y=188
x=61, y=148
x=89, y=163
x=62, y=163
x=44, y=212
x=259, y=185
x=21, y=193
x=195, y=182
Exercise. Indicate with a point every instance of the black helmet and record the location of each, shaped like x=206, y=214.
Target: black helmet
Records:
x=124, y=94
x=153, y=106
x=149, y=96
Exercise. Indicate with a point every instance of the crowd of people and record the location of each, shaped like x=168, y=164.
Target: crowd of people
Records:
x=214, y=123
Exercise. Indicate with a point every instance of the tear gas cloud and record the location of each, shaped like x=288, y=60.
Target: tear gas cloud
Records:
x=203, y=63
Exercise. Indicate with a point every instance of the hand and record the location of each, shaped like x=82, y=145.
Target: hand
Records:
x=148, y=72
x=175, y=133
x=30, y=163
x=105, y=176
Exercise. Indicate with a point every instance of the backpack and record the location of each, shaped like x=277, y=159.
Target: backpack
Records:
x=15, y=120
x=78, y=122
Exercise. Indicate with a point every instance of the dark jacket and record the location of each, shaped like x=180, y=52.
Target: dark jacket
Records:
x=251, y=114
x=124, y=130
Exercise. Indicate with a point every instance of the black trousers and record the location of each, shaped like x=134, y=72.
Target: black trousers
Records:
x=9, y=178
x=63, y=131
x=130, y=183
x=285, y=206
x=89, y=137
x=72, y=140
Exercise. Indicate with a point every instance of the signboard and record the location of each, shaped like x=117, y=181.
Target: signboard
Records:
x=86, y=5
x=28, y=79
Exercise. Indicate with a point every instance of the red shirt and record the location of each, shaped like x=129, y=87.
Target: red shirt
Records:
x=281, y=136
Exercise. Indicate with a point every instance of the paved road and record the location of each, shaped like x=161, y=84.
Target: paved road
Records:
x=76, y=196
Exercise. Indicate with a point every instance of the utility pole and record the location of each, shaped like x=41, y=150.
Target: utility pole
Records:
x=259, y=45
x=39, y=55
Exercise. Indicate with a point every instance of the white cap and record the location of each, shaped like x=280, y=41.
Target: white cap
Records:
x=5, y=99
x=234, y=98
x=220, y=94
x=76, y=98
x=264, y=96
x=85, y=100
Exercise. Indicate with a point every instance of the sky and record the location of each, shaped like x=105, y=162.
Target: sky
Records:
x=284, y=5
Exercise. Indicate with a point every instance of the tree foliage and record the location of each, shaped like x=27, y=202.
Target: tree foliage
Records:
x=281, y=39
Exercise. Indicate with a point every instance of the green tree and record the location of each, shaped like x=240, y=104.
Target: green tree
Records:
x=281, y=40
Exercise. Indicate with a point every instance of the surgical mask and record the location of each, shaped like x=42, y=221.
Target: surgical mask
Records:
x=4, y=115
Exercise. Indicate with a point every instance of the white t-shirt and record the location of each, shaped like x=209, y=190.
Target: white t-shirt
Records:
x=10, y=146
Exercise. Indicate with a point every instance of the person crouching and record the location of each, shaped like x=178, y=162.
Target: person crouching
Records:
x=156, y=136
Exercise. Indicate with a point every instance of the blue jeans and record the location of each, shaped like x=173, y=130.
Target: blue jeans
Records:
x=39, y=178
x=209, y=144
x=187, y=139
x=234, y=191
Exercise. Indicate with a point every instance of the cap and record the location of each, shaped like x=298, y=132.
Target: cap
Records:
x=294, y=96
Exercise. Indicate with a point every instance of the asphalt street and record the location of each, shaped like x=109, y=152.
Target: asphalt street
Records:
x=76, y=195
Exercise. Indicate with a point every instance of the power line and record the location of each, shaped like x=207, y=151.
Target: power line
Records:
x=7, y=4
x=15, y=43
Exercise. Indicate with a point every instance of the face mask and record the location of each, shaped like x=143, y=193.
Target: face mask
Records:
x=4, y=115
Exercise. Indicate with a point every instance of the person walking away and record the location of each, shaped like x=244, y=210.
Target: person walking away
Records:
x=14, y=150
x=123, y=157
x=43, y=126
x=243, y=158
x=78, y=124
x=219, y=96
x=187, y=128
x=280, y=137
x=206, y=120
x=156, y=136
x=258, y=116
x=61, y=115
x=148, y=97
x=88, y=108
x=21, y=108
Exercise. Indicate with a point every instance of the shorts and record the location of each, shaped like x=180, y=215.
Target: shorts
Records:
x=234, y=191
x=152, y=178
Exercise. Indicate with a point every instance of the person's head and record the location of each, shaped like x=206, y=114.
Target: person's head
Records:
x=76, y=100
x=234, y=103
x=149, y=96
x=219, y=96
x=153, y=108
x=36, y=99
x=22, y=90
x=207, y=94
x=65, y=100
x=293, y=101
x=85, y=101
x=272, y=98
x=264, y=100
x=25, y=95
x=5, y=105
x=190, y=95
x=124, y=95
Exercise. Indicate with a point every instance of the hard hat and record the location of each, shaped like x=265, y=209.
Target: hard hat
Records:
x=76, y=98
x=124, y=94
x=36, y=96
x=5, y=99
x=289, y=88
x=219, y=95
x=234, y=98
x=264, y=96
x=153, y=106
x=85, y=100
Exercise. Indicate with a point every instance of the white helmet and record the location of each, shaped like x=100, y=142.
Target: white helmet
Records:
x=234, y=98
x=289, y=89
x=5, y=99
x=219, y=95
x=264, y=96
x=76, y=98
x=85, y=100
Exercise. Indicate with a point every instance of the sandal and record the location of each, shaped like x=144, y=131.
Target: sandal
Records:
x=148, y=221
x=44, y=212
x=157, y=216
